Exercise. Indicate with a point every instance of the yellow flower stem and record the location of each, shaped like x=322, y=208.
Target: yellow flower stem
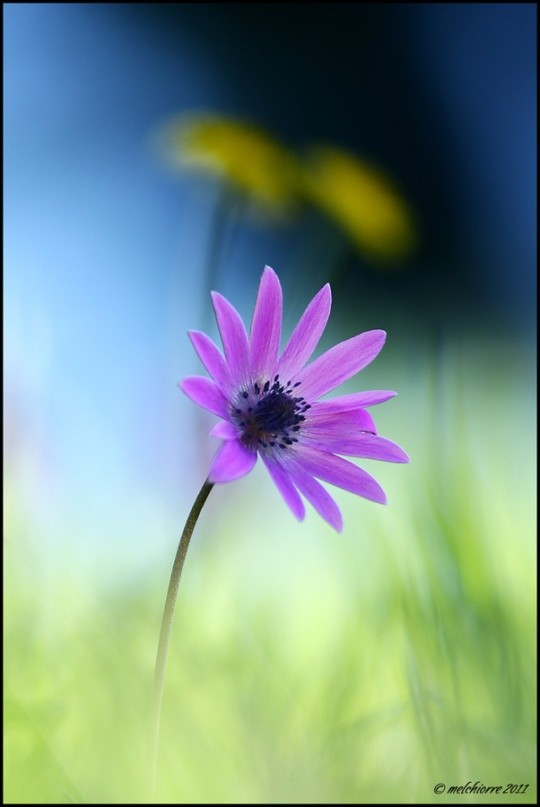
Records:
x=166, y=627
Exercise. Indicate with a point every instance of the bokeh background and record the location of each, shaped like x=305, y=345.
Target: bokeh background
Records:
x=305, y=667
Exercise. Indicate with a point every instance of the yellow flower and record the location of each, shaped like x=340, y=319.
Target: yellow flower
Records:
x=362, y=200
x=243, y=154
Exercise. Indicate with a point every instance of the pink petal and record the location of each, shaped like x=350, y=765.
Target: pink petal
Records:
x=266, y=326
x=212, y=360
x=224, y=430
x=283, y=483
x=231, y=462
x=342, y=403
x=205, y=393
x=338, y=424
x=340, y=472
x=368, y=446
x=234, y=337
x=340, y=363
x=318, y=496
x=305, y=337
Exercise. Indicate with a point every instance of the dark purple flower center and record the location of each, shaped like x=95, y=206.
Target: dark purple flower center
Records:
x=269, y=414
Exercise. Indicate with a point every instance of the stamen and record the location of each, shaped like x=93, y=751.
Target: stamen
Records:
x=273, y=415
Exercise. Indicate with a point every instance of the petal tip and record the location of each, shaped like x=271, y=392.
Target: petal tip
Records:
x=326, y=293
x=271, y=276
x=218, y=299
x=193, y=336
x=399, y=454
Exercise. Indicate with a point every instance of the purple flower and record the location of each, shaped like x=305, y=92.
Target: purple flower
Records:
x=269, y=403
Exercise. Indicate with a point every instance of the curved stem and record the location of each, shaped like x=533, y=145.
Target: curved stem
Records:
x=166, y=626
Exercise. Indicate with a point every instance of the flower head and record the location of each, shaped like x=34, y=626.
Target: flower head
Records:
x=243, y=154
x=269, y=406
x=362, y=200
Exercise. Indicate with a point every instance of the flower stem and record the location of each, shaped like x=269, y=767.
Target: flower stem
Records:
x=226, y=217
x=166, y=626
x=218, y=231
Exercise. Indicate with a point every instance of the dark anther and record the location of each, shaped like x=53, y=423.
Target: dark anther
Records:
x=245, y=394
x=257, y=388
x=267, y=386
x=297, y=384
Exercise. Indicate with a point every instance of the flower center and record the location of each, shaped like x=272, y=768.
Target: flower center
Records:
x=269, y=414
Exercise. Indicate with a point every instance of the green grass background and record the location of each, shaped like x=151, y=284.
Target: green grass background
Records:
x=305, y=667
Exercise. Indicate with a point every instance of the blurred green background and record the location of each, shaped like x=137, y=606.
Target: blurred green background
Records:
x=305, y=667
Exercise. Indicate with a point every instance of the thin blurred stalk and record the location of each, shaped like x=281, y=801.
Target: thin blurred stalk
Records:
x=166, y=627
x=322, y=256
x=225, y=218
x=438, y=406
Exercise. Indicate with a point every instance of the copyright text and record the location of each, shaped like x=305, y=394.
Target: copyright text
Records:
x=480, y=787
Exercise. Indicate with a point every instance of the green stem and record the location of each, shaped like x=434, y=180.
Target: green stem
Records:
x=166, y=626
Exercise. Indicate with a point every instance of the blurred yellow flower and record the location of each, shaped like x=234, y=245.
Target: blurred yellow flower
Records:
x=362, y=200
x=246, y=156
